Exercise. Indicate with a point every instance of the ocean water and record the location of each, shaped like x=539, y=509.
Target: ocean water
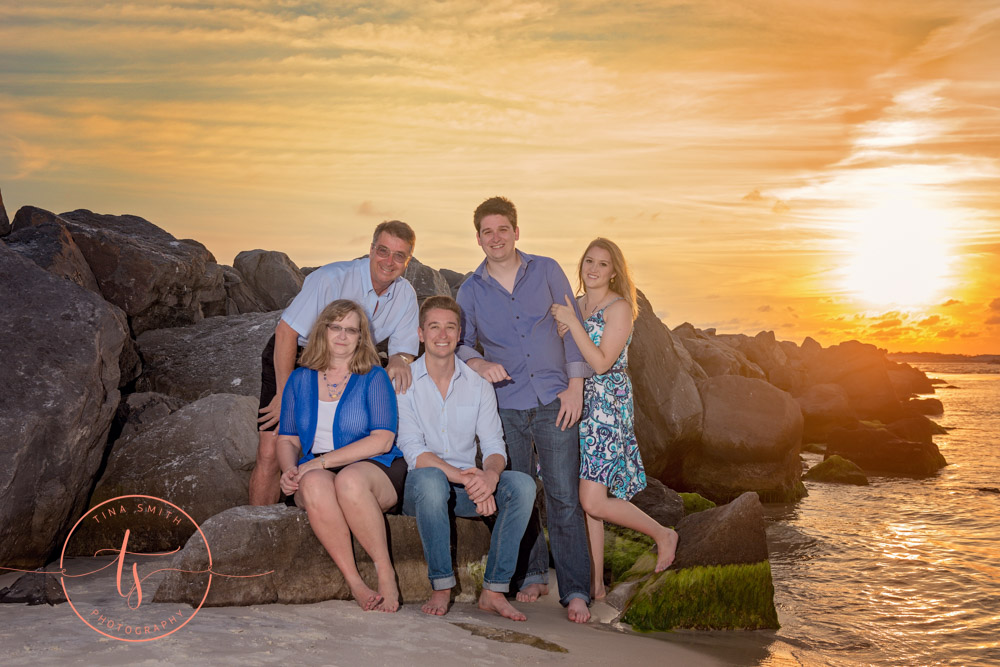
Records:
x=904, y=571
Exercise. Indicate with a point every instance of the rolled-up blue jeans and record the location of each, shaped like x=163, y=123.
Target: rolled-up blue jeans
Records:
x=532, y=431
x=433, y=500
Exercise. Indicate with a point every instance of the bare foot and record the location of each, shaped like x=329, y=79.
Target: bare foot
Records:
x=532, y=592
x=497, y=602
x=387, y=590
x=666, y=547
x=366, y=598
x=577, y=611
x=437, y=603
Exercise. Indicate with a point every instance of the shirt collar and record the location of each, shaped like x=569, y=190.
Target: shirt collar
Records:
x=484, y=273
x=419, y=369
x=366, y=279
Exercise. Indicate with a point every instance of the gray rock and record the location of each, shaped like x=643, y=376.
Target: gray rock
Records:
x=917, y=429
x=838, y=470
x=271, y=277
x=454, y=279
x=771, y=356
x=278, y=540
x=34, y=588
x=137, y=411
x=824, y=407
x=198, y=458
x=426, y=281
x=668, y=408
x=158, y=280
x=240, y=297
x=860, y=369
x=726, y=535
x=714, y=356
x=925, y=406
x=750, y=442
x=879, y=450
x=60, y=374
x=219, y=355
x=661, y=503
x=51, y=247
x=907, y=380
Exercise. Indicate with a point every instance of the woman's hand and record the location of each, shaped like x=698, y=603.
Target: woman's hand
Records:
x=565, y=315
x=290, y=481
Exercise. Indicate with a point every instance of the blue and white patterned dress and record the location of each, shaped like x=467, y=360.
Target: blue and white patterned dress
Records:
x=609, y=453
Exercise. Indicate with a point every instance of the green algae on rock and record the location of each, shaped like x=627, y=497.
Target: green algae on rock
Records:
x=838, y=470
x=622, y=548
x=694, y=502
x=719, y=597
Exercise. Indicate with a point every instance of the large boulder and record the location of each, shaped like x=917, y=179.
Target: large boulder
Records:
x=907, y=380
x=860, y=369
x=426, y=281
x=279, y=541
x=916, y=428
x=158, y=280
x=878, y=450
x=60, y=374
x=714, y=356
x=140, y=409
x=720, y=577
x=668, y=407
x=783, y=371
x=270, y=275
x=240, y=297
x=51, y=247
x=924, y=406
x=664, y=505
x=219, y=355
x=454, y=279
x=198, y=458
x=824, y=407
x=750, y=441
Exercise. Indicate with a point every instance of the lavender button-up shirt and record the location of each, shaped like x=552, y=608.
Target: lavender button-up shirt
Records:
x=518, y=331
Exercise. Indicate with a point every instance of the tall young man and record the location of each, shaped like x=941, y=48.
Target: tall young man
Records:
x=538, y=378
x=447, y=408
x=376, y=283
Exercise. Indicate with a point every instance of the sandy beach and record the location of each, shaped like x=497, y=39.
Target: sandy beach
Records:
x=339, y=633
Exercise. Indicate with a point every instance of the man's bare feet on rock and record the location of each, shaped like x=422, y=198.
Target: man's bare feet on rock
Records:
x=577, y=611
x=532, y=592
x=437, y=603
x=497, y=603
x=366, y=598
x=666, y=547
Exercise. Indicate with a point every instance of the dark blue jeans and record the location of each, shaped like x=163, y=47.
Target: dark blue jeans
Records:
x=533, y=437
x=432, y=499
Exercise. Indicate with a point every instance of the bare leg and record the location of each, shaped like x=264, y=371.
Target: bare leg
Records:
x=532, y=592
x=577, y=611
x=365, y=492
x=595, y=535
x=437, y=603
x=317, y=494
x=264, y=479
x=596, y=503
x=497, y=603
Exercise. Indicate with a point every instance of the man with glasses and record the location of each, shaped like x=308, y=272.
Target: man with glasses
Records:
x=376, y=283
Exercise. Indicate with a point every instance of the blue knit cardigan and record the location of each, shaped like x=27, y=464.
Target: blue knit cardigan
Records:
x=367, y=404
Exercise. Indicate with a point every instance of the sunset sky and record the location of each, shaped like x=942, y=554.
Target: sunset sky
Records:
x=816, y=168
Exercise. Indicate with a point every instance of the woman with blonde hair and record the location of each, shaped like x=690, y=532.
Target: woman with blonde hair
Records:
x=335, y=447
x=609, y=453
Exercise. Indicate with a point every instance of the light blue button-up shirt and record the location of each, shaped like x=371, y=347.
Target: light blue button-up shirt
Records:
x=392, y=315
x=448, y=426
x=517, y=331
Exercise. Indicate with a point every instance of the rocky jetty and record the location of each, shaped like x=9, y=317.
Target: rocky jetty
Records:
x=132, y=366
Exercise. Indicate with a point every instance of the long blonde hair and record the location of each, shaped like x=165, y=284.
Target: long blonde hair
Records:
x=316, y=355
x=622, y=283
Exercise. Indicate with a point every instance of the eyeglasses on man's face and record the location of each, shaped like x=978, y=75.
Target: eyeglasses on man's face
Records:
x=336, y=330
x=384, y=253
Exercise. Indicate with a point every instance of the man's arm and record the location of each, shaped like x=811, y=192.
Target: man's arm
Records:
x=403, y=345
x=490, y=371
x=571, y=398
x=286, y=345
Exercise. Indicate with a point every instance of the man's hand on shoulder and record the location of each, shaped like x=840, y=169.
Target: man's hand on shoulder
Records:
x=570, y=404
x=398, y=369
x=488, y=370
